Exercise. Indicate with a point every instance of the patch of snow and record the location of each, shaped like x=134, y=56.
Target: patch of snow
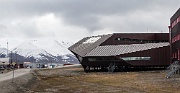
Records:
x=92, y=40
x=27, y=49
x=65, y=57
x=3, y=51
x=54, y=47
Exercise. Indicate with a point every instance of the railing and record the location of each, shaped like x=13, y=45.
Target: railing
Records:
x=172, y=69
x=111, y=67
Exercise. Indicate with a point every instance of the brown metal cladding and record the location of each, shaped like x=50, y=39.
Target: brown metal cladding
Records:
x=175, y=46
x=107, y=47
x=176, y=15
x=159, y=57
x=103, y=63
x=140, y=36
x=159, y=54
x=175, y=30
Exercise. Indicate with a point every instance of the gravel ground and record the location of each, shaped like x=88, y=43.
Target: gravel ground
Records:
x=23, y=83
x=75, y=80
x=19, y=85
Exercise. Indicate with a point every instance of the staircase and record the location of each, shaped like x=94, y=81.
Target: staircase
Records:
x=172, y=69
x=111, y=67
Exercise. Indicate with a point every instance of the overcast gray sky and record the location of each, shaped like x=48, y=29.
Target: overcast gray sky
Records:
x=71, y=20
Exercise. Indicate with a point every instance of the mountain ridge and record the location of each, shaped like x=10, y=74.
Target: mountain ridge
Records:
x=52, y=51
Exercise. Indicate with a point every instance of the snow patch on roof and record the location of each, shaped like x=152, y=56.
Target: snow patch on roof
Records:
x=92, y=39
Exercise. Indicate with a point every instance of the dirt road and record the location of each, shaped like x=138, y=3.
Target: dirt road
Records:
x=17, y=73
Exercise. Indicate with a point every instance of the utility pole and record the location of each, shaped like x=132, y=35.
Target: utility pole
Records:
x=13, y=71
x=51, y=64
x=16, y=59
x=7, y=49
x=11, y=57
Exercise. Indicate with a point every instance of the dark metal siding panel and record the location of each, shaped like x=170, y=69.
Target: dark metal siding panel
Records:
x=175, y=46
x=175, y=15
x=82, y=49
x=103, y=63
x=162, y=36
x=159, y=57
x=143, y=36
x=112, y=41
x=175, y=30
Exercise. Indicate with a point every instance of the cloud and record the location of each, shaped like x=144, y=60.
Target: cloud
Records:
x=85, y=13
x=134, y=22
x=74, y=19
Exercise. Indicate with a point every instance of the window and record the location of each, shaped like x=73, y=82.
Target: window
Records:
x=175, y=21
x=135, y=58
x=140, y=40
x=91, y=59
x=176, y=38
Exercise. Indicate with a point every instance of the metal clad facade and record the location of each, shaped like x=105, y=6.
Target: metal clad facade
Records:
x=175, y=35
x=125, y=49
x=140, y=36
x=159, y=57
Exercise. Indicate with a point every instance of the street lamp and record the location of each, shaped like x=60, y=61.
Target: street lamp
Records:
x=16, y=58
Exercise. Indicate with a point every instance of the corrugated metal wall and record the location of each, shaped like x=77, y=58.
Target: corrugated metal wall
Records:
x=159, y=57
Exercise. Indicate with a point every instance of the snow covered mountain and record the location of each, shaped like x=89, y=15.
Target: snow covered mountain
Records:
x=27, y=49
x=3, y=51
x=43, y=51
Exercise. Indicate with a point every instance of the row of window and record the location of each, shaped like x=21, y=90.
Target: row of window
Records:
x=123, y=58
x=175, y=22
x=135, y=58
x=139, y=40
x=176, y=38
x=176, y=54
x=101, y=59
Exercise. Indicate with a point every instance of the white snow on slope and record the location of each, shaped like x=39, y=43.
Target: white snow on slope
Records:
x=46, y=47
x=27, y=49
x=3, y=51
x=54, y=47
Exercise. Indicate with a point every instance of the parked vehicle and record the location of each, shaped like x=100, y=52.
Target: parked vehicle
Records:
x=2, y=68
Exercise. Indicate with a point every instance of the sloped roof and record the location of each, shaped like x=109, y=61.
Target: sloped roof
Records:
x=87, y=44
x=112, y=50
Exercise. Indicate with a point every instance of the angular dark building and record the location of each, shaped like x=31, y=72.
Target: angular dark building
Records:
x=174, y=30
x=123, y=50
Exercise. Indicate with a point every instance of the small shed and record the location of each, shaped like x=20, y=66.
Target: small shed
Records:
x=33, y=65
x=4, y=61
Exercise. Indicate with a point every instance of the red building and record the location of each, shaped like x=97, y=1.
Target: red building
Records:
x=174, y=30
x=123, y=50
